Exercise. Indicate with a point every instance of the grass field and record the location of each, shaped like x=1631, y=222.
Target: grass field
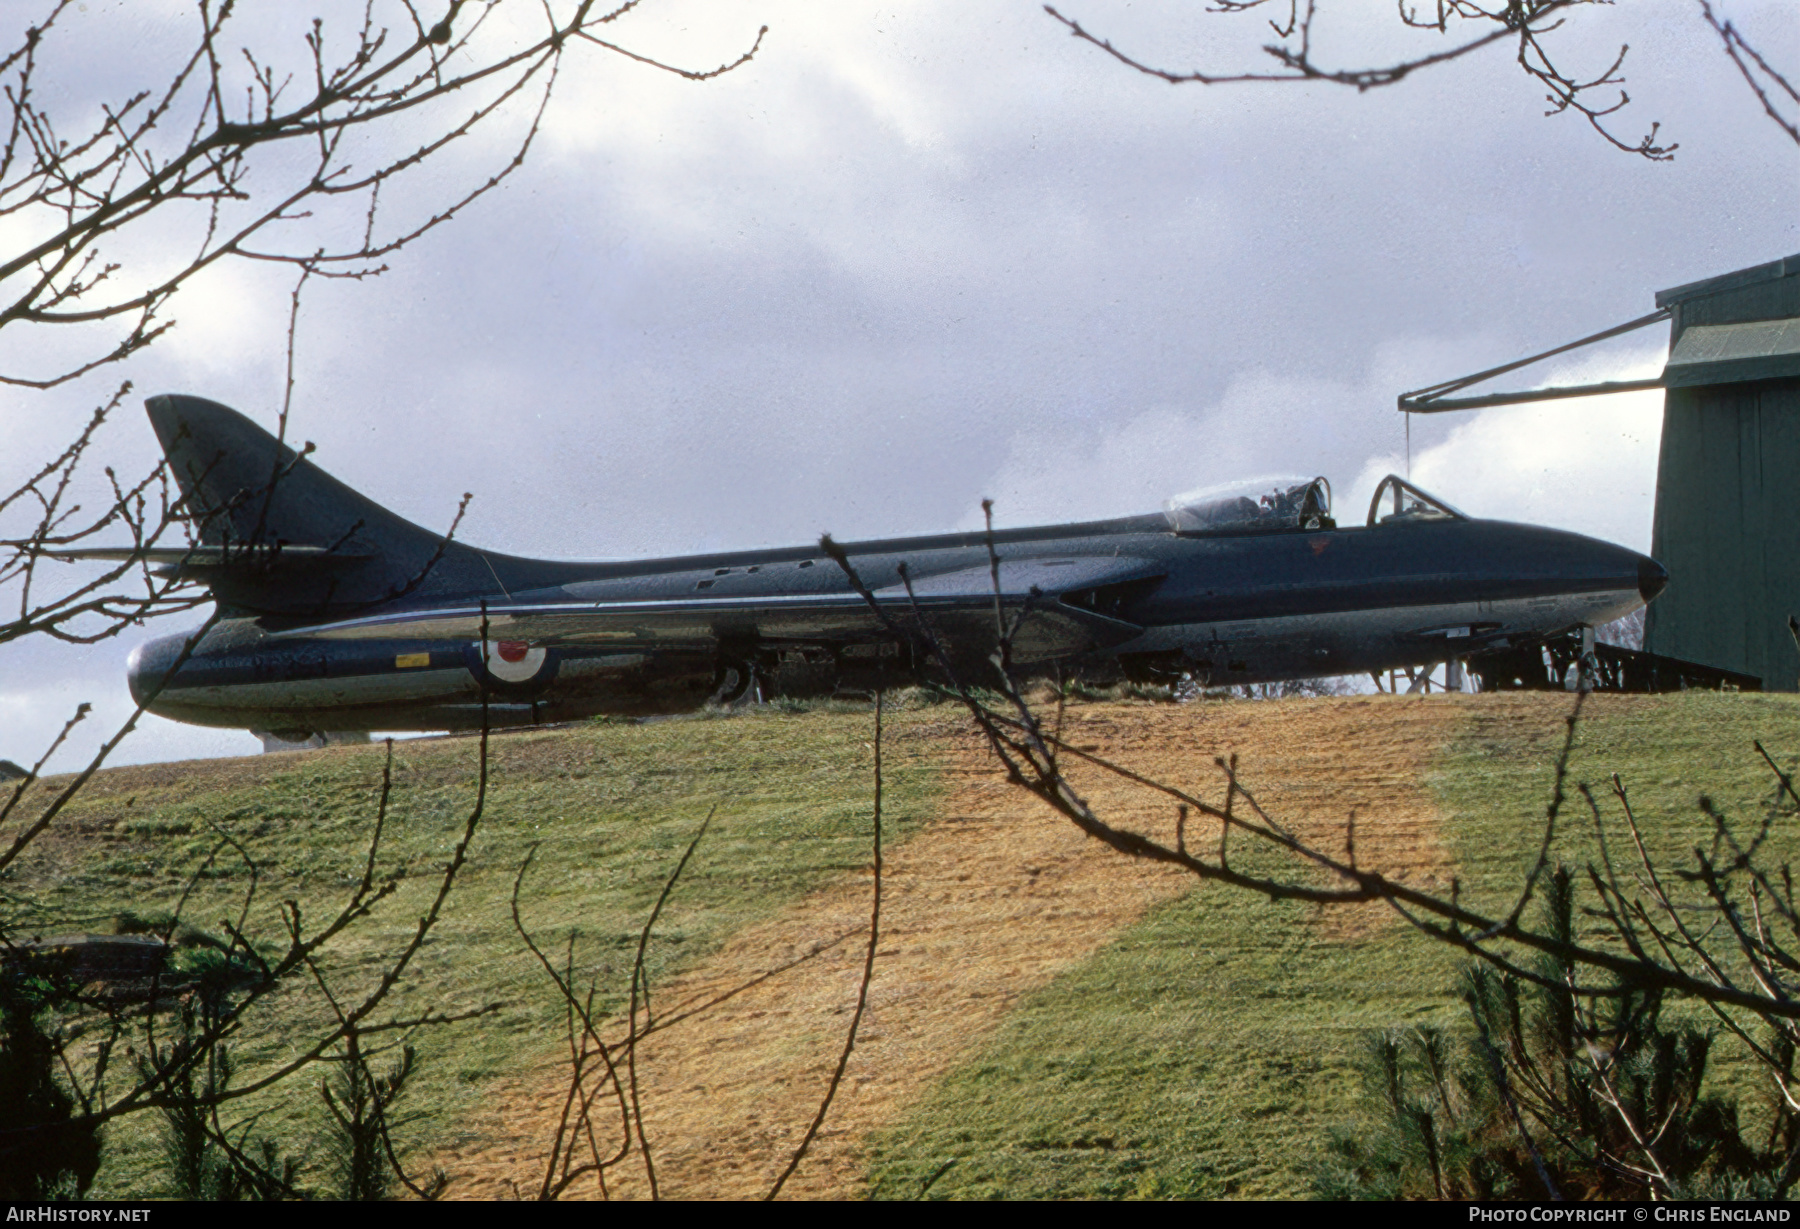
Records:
x=609, y=808
x=1202, y=1049
x=1205, y=1051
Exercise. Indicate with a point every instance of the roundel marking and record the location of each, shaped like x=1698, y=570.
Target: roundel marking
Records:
x=513, y=661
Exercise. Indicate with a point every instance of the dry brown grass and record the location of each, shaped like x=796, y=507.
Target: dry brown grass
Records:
x=993, y=899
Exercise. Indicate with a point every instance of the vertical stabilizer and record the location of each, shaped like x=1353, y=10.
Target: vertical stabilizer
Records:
x=241, y=487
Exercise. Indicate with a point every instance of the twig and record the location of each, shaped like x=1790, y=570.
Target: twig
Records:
x=862, y=989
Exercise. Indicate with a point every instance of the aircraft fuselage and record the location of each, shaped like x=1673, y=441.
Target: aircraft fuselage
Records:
x=664, y=635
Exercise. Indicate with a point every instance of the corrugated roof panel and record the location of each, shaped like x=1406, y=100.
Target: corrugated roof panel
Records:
x=1728, y=353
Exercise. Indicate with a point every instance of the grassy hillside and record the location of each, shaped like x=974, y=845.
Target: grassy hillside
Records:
x=609, y=808
x=1205, y=1052
x=1202, y=1051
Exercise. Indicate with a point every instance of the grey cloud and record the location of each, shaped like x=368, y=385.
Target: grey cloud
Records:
x=905, y=262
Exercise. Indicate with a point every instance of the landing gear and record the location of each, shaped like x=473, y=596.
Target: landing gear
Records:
x=1584, y=672
x=305, y=740
x=732, y=682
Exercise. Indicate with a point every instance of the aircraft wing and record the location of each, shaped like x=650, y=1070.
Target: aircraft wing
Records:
x=955, y=606
x=1019, y=577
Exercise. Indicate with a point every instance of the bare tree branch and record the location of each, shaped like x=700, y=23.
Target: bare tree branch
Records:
x=210, y=145
x=1596, y=97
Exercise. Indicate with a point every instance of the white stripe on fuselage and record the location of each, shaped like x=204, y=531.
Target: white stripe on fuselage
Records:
x=1350, y=641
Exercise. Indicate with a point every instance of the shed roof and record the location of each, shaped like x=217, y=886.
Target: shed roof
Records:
x=1730, y=353
x=1787, y=266
x=1735, y=327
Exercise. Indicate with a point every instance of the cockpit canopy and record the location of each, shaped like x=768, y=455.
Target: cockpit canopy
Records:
x=1262, y=505
x=1267, y=505
x=1399, y=502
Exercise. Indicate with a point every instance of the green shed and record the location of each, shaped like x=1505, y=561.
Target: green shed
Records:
x=1728, y=478
x=1727, y=521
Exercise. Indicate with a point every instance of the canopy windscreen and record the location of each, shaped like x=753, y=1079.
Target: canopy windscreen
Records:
x=1258, y=506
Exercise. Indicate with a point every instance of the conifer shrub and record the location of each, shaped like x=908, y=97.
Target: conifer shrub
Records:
x=1554, y=1087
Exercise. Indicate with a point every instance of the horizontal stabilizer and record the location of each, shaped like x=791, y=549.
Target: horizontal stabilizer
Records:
x=206, y=562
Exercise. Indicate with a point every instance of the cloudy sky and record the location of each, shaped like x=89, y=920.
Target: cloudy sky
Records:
x=914, y=256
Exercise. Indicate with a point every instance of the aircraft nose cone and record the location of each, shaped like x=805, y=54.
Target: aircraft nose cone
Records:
x=1653, y=578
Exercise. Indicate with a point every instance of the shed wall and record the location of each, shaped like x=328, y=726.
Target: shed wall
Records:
x=1728, y=529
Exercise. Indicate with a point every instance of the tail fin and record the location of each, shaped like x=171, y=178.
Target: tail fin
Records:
x=251, y=497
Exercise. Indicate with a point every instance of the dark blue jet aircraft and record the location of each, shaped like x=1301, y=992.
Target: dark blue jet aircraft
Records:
x=338, y=615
